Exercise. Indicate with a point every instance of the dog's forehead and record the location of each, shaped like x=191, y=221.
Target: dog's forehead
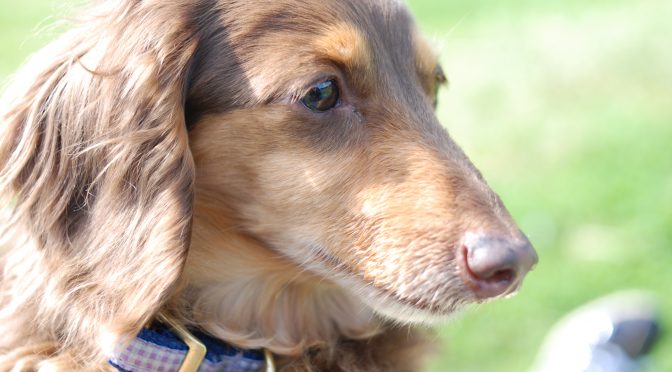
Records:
x=345, y=30
x=355, y=34
x=252, y=53
x=296, y=15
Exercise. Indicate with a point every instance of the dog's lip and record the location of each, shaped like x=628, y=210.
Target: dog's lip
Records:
x=420, y=304
x=417, y=303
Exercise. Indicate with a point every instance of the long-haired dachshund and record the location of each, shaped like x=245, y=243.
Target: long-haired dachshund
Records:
x=265, y=180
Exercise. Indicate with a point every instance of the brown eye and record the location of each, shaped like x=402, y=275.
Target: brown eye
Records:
x=440, y=79
x=322, y=97
x=439, y=75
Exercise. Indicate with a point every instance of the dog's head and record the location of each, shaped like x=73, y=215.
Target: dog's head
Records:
x=330, y=153
x=311, y=122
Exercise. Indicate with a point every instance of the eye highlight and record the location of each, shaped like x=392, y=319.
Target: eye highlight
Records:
x=322, y=96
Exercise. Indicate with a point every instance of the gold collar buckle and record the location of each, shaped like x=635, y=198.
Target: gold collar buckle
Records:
x=196, y=353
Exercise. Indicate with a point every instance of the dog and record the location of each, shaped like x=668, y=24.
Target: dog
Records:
x=271, y=175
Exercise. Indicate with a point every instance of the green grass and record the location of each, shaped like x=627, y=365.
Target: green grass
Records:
x=565, y=107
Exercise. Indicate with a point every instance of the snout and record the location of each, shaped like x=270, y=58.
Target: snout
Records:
x=494, y=265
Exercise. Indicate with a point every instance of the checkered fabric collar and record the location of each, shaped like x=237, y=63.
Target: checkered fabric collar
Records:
x=159, y=349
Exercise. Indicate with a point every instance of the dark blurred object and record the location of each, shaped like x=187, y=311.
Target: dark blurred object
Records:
x=611, y=334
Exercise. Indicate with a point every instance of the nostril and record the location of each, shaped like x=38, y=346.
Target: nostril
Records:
x=490, y=263
x=506, y=275
x=487, y=268
x=494, y=266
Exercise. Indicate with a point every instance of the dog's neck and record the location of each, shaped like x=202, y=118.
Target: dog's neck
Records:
x=244, y=293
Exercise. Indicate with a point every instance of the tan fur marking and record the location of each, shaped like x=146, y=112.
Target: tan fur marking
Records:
x=346, y=46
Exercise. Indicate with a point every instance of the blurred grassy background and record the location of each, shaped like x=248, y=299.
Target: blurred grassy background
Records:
x=566, y=107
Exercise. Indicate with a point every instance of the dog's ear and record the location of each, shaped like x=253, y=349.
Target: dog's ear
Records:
x=94, y=161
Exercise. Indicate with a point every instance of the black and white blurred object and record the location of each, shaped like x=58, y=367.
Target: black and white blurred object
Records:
x=611, y=334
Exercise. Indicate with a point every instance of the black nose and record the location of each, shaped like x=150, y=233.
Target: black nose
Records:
x=493, y=265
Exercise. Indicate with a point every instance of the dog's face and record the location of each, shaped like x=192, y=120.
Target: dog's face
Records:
x=305, y=127
x=313, y=123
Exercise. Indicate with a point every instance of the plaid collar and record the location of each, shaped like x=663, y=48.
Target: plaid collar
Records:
x=159, y=348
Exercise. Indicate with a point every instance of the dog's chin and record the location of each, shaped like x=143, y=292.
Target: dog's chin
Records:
x=388, y=303
x=406, y=312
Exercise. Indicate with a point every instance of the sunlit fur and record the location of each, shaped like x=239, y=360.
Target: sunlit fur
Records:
x=157, y=157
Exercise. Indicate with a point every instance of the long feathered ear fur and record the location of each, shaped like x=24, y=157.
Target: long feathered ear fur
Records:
x=97, y=174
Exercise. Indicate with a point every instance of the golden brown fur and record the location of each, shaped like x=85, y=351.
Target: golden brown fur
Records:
x=156, y=156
